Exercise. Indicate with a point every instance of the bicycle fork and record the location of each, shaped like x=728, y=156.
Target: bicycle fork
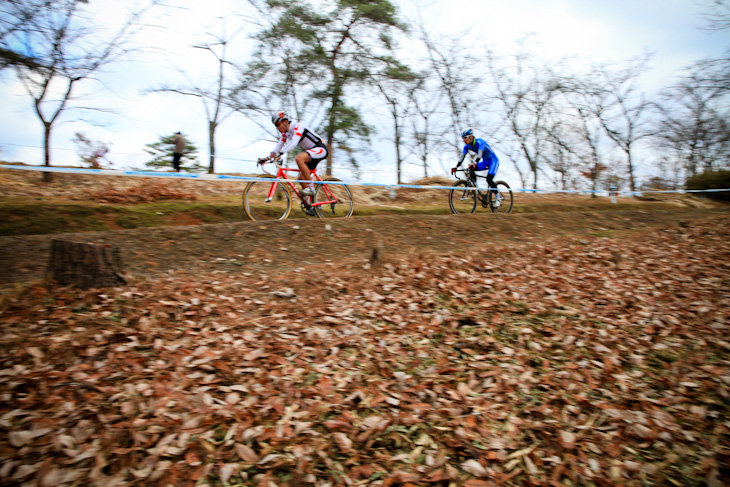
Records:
x=272, y=190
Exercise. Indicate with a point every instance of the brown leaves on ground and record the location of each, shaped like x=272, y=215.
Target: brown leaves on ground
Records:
x=149, y=190
x=79, y=186
x=571, y=362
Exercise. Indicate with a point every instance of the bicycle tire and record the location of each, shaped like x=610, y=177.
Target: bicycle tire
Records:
x=255, y=204
x=507, y=202
x=344, y=206
x=462, y=201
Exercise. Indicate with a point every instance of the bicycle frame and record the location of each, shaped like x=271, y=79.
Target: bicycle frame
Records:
x=264, y=199
x=477, y=189
x=499, y=198
x=281, y=174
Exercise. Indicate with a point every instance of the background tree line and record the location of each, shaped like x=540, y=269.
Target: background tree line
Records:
x=341, y=66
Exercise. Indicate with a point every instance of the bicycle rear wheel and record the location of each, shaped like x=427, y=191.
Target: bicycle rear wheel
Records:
x=462, y=200
x=506, y=201
x=337, y=200
x=254, y=200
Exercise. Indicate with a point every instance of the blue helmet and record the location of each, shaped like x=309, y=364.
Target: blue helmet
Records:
x=467, y=133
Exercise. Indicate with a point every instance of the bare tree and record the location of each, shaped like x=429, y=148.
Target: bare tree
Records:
x=694, y=126
x=214, y=96
x=67, y=49
x=15, y=18
x=452, y=65
x=583, y=132
x=427, y=120
x=589, y=131
x=717, y=14
x=394, y=84
x=622, y=110
x=525, y=92
x=561, y=152
x=694, y=129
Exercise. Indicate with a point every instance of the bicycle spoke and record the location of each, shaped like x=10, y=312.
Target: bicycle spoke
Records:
x=462, y=200
x=333, y=200
x=257, y=207
x=505, y=198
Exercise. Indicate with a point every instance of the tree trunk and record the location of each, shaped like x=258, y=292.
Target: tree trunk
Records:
x=396, y=131
x=211, y=141
x=47, y=176
x=632, y=180
x=330, y=142
x=85, y=265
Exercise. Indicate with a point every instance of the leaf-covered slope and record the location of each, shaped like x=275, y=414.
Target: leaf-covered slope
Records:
x=570, y=362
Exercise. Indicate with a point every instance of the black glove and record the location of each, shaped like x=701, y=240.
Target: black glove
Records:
x=262, y=160
x=453, y=170
x=472, y=167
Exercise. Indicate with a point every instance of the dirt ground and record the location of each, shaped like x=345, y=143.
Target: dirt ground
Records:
x=300, y=249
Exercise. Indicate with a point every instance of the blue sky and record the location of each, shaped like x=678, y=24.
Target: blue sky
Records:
x=598, y=32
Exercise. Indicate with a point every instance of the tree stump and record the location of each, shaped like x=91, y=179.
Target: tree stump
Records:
x=376, y=257
x=85, y=265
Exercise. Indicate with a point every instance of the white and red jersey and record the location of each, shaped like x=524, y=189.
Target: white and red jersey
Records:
x=298, y=133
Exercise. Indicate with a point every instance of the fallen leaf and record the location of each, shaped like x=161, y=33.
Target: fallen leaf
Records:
x=245, y=453
x=475, y=468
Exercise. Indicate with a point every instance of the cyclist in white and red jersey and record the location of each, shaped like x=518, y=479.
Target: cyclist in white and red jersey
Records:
x=293, y=133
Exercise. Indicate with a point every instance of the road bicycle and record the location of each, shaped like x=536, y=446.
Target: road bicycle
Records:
x=465, y=200
x=272, y=200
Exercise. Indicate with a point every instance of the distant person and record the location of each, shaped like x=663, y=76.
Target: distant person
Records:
x=484, y=160
x=613, y=193
x=179, y=142
x=293, y=133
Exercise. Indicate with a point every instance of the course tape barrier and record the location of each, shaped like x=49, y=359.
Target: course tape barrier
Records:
x=219, y=177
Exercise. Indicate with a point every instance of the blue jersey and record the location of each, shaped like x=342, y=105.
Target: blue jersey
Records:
x=489, y=158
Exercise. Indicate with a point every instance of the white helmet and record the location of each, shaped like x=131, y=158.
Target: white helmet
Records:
x=279, y=116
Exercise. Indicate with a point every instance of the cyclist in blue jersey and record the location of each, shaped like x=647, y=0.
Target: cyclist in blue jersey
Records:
x=484, y=160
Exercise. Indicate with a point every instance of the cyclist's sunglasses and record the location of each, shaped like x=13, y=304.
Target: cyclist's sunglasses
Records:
x=279, y=123
x=466, y=137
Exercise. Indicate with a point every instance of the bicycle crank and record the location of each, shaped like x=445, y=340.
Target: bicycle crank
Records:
x=308, y=210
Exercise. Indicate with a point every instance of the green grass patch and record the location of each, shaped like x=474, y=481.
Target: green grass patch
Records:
x=44, y=218
x=26, y=215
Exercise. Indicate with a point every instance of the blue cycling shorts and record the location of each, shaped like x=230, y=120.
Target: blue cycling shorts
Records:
x=492, y=165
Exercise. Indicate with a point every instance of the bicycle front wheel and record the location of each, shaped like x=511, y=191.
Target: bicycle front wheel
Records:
x=463, y=199
x=333, y=200
x=505, y=198
x=266, y=200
